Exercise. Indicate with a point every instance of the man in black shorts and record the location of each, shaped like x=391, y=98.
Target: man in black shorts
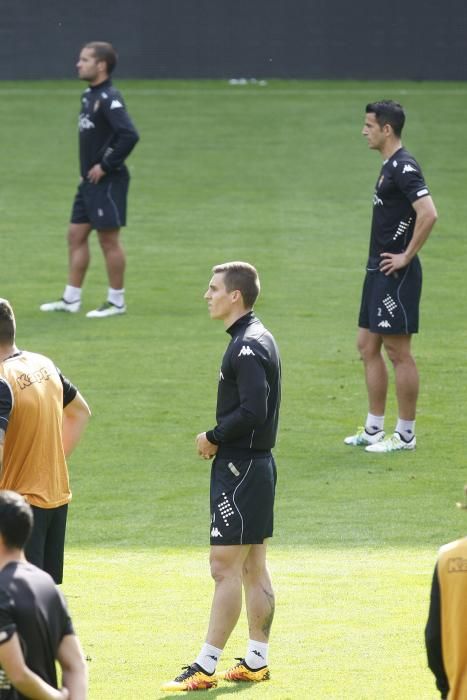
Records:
x=42, y=418
x=106, y=137
x=403, y=216
x=35, y=627
x=243, y=480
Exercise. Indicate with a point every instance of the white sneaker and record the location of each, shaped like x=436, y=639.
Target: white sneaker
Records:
x=361, y=437
x=71, y=307
x=393, y=443
x=107, y=309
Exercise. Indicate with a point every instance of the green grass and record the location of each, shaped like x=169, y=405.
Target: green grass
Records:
x=280, y=176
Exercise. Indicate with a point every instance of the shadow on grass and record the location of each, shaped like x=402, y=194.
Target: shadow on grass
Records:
x=215, y=692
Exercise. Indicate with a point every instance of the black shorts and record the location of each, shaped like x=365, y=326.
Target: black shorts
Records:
x=45, y=547
x=242, y=500
x=390, y=303
x=102, y=205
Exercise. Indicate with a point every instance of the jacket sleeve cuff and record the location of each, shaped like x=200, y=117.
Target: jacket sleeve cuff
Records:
x=210, y=436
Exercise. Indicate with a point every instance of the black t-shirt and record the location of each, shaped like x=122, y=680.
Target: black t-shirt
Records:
x=106, y=133
x=400, y=183
x=32, y=606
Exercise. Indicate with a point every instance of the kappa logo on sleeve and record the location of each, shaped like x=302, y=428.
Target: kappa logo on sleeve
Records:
x=245, y=351
x=408, y=169
x=116, y=104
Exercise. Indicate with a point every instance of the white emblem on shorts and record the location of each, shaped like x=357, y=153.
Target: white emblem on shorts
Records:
x=390, y=304
x=100, y=212
x=225, y=509
x=215, y=532
x=233, y=469
x=384, y=324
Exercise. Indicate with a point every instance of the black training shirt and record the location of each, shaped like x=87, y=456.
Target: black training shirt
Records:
x=249, y=390
x=400, y=183
x=106, y=133
x=32, y=606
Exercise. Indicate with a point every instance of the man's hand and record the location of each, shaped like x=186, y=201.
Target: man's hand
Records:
x=206, y=449
x=95, y=174
x=391, y=262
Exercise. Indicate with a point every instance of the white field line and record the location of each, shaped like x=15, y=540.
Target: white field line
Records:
x=242, y=91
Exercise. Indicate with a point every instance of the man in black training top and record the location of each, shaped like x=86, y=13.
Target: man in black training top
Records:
x=403, y=216
x=106, y=137
x=243, y=480
x=35, y=627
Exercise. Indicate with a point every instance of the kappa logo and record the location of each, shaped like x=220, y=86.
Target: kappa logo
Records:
x=457, y=565
x=215, y=532
x=85, y=123
x=245, y=351
x=377, y=201
x=24, y=380
x=221, y=376
x=116, y=104
x=384, y=324
x=408, y=169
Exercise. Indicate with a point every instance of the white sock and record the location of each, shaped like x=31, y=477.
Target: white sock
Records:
x=257, y=654
x=116, y=296
x=406, y=428
x=72, y=294
x=208, y=657
x=374, y=423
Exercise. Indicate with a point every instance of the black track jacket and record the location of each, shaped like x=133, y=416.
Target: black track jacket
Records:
x=249, y=391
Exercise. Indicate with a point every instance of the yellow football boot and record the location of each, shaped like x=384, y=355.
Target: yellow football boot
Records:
x=241, y=672
x=192, y=678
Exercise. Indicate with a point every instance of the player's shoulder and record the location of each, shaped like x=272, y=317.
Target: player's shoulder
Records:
x=112, y=97
x=404, y=162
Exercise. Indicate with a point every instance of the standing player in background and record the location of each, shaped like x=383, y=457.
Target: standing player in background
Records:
x=35, y=627
x=42, y=418
x=243, y=480
x=403, y=216
x=106, y=137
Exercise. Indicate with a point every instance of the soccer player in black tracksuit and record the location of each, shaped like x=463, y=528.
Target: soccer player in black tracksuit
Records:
x=35, y=626
x=106, y=137
x=243, y=480
x=403, y=216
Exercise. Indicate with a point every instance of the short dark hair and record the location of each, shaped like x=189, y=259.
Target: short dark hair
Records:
x=16, y=519
x=241, y=276
x=7, y=323
x=388, y=112
x=104, y=51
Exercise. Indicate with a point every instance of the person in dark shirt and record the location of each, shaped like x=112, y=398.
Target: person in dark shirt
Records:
x=243, y=480
x=106, y=138
x=403, y=217
x=35, y=627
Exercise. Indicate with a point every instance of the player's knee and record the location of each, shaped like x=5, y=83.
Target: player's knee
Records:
x=222, y=569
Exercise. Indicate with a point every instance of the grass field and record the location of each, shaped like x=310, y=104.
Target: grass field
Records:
x=278, y=175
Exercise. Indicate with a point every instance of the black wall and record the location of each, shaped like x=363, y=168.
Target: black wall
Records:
x=239, y=38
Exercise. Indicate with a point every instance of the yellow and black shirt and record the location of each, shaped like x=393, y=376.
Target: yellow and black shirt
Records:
x=446, y=629
x=33, y=393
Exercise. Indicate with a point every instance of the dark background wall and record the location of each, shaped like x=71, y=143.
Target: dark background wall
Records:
x=239, y=38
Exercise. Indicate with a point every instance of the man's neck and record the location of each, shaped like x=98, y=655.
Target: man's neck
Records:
x=7, y=556
x=98, y=81
x=390, y=148
x=7, y=351
x=233, y=318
